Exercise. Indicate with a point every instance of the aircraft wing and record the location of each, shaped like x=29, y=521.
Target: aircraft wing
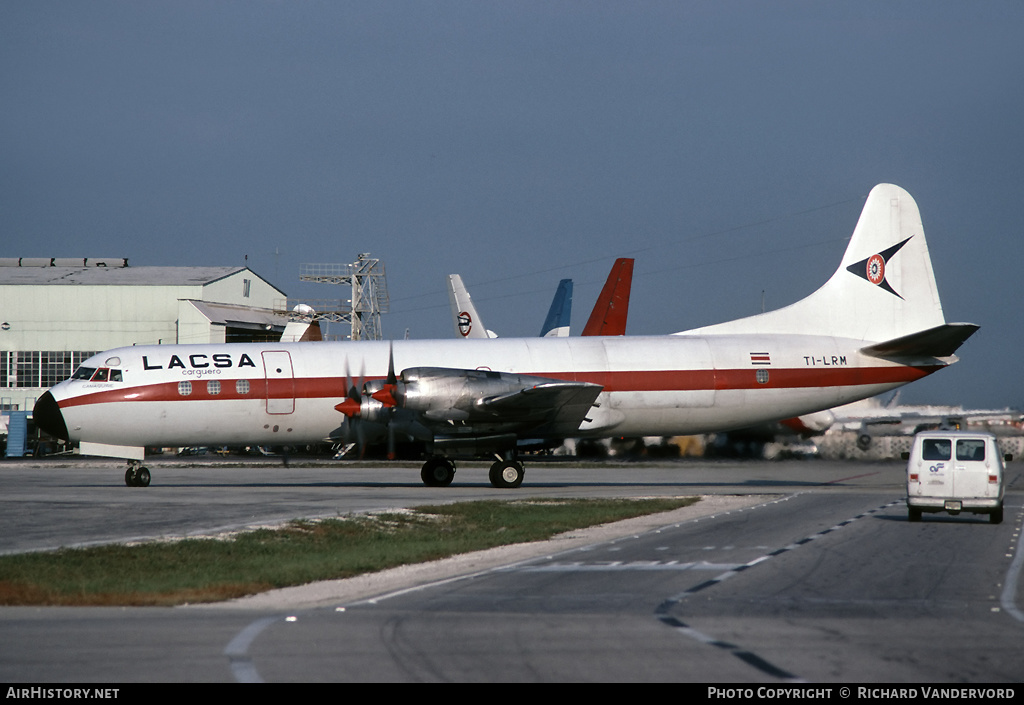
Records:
x=472, y=402
x=560, y=406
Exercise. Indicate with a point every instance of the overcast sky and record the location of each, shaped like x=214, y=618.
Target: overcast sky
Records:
x=726, y=146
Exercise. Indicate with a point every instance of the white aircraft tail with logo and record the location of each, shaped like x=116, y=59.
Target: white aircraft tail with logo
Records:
x=468, y=323
x=883, y=291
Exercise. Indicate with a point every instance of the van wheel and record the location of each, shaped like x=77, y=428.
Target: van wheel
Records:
x=913, y=514
x=996, y=517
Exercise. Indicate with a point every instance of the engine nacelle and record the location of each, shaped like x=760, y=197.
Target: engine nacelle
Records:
x=372, y=410
x=448, y=394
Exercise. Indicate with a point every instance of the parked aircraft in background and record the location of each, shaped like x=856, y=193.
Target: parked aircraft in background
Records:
x=873, y=417
x=769, y=440
x=607, y=318
x=612, y=307
x=469, y=324
x=875, y=325
x=559, y=318
x=302, y=326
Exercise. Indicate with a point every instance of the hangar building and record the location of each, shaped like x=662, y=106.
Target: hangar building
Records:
x=54, y=313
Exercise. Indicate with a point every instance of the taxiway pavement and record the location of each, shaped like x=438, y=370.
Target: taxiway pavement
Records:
x=791, y=571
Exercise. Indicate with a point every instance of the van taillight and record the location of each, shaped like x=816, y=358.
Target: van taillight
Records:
x=993, y=478
x=913, y=477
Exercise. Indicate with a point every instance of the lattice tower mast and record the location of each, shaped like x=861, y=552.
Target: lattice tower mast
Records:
x=369, y=292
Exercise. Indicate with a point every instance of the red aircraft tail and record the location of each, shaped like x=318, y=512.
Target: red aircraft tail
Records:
x=612, y=307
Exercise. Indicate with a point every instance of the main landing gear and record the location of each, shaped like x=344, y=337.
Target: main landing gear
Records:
x=504, y=472
x=438, y=472
x=137, y=475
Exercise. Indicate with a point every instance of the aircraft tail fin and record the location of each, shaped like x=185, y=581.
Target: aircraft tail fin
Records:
x=884, y=289
x=300, y=332
x=612, y=307
x=556, y=325
x=467, y=321
x=303, y=326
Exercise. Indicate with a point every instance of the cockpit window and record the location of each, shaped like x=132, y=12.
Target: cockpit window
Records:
x=101, y=374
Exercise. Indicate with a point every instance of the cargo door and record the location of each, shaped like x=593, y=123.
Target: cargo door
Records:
x=936, y=467
x=970, y=469
x=277, y=366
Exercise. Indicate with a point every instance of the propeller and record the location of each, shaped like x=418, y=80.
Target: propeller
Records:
x=386, y=394
x=353, y=399
x=350, y=407
x=371, y=403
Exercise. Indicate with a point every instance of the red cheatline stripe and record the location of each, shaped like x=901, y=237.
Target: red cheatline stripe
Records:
x=645, y=381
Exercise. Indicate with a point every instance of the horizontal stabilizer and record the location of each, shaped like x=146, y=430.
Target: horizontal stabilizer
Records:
x=941, y=341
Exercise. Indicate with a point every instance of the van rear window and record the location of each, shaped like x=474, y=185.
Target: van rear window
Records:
x=936, y=449
x=970, y=449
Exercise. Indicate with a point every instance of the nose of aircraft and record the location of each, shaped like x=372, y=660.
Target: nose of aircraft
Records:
x=48, y=417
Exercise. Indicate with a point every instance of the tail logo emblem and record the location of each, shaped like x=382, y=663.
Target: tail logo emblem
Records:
x=465, y=323
x=876, y=269
x=872, y=269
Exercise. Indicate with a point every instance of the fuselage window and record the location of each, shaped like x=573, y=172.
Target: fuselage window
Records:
x=213, y=387
x=242, y=386
x=102, y=374
x=184, y=388
x=115, y=376
x=84, y=373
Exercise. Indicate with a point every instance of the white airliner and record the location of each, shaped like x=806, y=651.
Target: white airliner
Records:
x=875, y=325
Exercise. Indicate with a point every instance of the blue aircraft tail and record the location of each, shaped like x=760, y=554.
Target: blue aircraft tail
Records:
x=556, y=325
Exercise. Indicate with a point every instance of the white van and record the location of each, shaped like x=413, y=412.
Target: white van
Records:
x=955, y=471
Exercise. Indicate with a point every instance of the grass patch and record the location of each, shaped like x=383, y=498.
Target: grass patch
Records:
x=214, y=569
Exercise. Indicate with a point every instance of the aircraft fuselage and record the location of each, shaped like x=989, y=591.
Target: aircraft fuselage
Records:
x=287, y=393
